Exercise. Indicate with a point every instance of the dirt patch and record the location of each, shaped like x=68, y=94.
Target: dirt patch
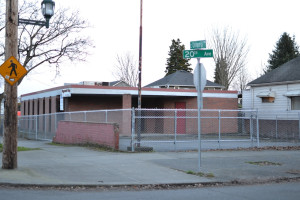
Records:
x=293, y=171
x=264, y=163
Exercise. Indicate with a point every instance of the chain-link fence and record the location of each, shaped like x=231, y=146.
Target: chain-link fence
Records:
x=44, y=127
x=177, y=129
x=279, y=126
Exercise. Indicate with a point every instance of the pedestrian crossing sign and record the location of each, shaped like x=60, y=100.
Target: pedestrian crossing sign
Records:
x=12, y=70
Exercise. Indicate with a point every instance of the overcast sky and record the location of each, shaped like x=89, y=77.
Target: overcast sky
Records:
x=116, y=31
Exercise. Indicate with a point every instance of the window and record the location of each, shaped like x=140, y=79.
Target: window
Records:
x=267, y=96
x=295, y=103
x=267, y=99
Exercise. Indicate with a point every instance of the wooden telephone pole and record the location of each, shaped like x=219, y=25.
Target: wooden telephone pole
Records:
x=9, y=155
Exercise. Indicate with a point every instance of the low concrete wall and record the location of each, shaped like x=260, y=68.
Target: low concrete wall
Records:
x=71, y=132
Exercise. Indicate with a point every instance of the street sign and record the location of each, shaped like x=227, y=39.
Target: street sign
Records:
x=199, y=79
x=201, y=44
x=66, y=93
x=207, y=53
x=12, y=70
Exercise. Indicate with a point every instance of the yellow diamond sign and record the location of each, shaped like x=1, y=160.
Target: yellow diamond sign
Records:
x=12, y=70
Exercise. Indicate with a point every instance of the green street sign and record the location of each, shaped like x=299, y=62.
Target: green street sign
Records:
x=201, y=44
x=208, y=53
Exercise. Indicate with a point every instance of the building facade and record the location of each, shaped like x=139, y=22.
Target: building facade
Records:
x=278, y=90
x=71, y=98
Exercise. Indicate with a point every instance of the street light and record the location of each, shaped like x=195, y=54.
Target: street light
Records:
x=48, y=10
x=47, y=7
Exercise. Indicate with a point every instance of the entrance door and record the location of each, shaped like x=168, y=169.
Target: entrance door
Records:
x=181, y=120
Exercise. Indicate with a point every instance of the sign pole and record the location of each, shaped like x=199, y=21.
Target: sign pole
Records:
x=200, y=105
x=200, y=75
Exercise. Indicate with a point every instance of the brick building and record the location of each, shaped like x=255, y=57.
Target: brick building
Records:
x=97, y=96
x=85, y=97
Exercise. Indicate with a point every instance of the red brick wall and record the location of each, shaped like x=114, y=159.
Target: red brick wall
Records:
x=125, y=126
x=220, y=103
x=208, y=125
x=211, y=125
x=36, y=108
x=53, y=110
x=41, y=111
x=106, y=134
x=208, y=103
x=47, y=105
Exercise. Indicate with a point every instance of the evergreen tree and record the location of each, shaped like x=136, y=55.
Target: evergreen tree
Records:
x=221, y=73
x=176, y=61
x=285, y=50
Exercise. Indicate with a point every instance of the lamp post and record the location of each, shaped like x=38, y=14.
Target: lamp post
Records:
x=48, y=10
x=47, y=7
x=9, y=154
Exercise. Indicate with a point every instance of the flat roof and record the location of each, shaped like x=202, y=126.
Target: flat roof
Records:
x=108, y=90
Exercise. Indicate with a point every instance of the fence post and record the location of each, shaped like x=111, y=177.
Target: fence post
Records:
x=105, y=116
x=55, y=122
x=243, y=123
x=219, y=129
x=257, y=128
x=276, y=127
x=36, y=127
x=251, y=129
x=132, y=128
x=21, y=126
x=299, y=124
x=84, y=116
x=45, y=122
x=175, y=128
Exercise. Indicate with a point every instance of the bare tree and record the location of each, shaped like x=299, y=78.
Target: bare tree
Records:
x=37, y=46
x=2, y=27
x=230, y=52
x=241, y=80
x=63, y=41
x=126, y=69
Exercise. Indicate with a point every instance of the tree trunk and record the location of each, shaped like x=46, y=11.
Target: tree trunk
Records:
x=9, y=155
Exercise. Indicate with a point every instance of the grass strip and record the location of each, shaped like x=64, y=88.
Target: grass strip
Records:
x=201, y=174
x=21, y=148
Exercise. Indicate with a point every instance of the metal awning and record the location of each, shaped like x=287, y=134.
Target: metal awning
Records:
x=294, y=93
x=266, y=94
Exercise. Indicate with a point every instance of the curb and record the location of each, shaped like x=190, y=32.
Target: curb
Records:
x=149, y=186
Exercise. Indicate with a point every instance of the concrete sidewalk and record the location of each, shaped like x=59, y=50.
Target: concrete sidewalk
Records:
x=58, y=165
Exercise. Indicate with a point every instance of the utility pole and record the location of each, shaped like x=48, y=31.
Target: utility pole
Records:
x=140, y=57
x=140, y=74
x=9, y=155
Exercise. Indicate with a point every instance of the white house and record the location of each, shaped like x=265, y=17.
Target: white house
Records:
x=277, y=91
x=276, y=96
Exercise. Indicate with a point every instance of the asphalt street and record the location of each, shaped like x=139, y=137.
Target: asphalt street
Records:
x=274, y=191
x=73, y=166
